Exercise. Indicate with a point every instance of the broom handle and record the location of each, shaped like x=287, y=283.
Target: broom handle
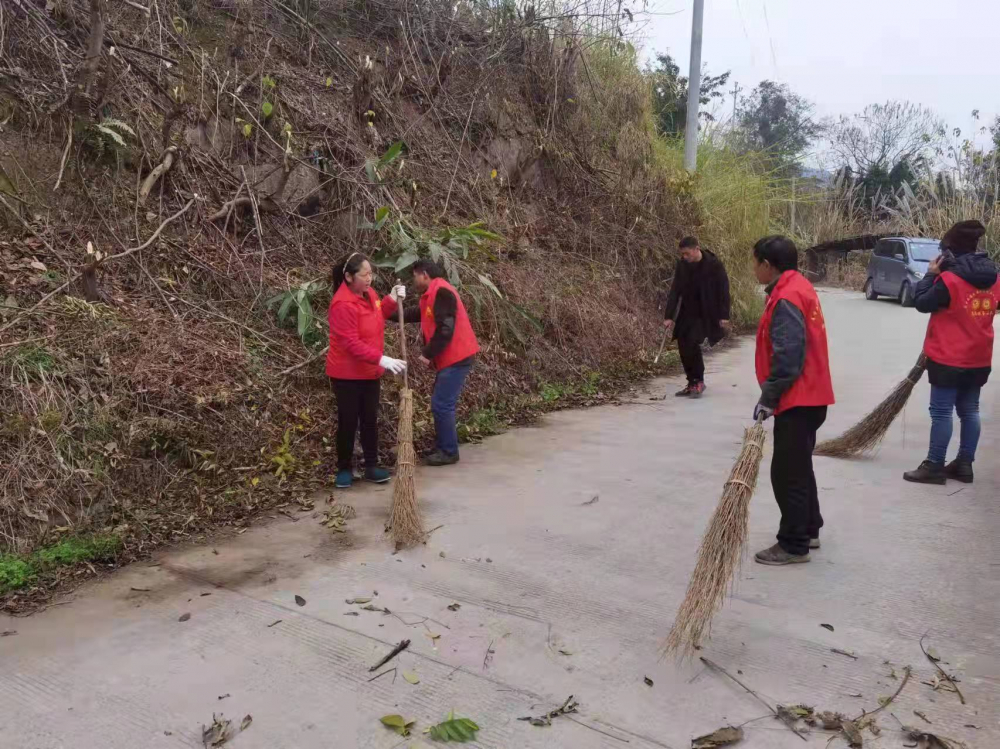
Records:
x=402, y=339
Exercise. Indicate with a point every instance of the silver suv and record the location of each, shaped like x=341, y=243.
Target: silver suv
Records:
x=897, y=263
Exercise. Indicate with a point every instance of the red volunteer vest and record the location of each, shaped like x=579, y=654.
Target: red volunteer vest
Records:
x=463, y=344
x=342, y=364
x=813, y=387
x=961, y=335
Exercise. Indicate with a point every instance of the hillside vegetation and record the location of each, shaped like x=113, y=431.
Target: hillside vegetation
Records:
x=177, y=179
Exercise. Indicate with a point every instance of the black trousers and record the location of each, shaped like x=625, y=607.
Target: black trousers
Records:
x=689, y=347
x=357, y=406
x=793, y=479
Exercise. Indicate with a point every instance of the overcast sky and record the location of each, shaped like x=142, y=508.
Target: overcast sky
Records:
x=845, y=54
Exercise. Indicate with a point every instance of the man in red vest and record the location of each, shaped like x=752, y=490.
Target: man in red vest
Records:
x=793, y=370
x=961, y=293
x=450, y=347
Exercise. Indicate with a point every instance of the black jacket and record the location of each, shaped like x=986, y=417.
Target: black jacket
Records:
x=932, y=295
x=706, y=287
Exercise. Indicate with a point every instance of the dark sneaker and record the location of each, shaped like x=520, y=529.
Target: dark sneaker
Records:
x=344, y=479
x=777, y=556
x=814, y=543
x=959, y=470
x=927, y=473
x=377, y=475
x=685, y=392
x=439, y=458
x=697, y=390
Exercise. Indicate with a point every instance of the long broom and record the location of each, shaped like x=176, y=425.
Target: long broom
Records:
x=721, y=550
x=868, y=433
x=405, y=524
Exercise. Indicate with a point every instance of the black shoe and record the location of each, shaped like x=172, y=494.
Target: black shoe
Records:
x=927, y=473
x=686, y=392
x=959, y=470
x=439, y=458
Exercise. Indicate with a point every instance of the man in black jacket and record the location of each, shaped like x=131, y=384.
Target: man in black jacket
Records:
x=697, y=308
x=960, y=292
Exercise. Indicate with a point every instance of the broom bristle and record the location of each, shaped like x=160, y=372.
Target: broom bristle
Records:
x=405, y=524
x=721, y=550
x=868, y=433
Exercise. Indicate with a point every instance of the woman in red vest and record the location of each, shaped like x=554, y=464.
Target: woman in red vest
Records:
x=355, y=362
x=793, y=370
x=450, y=347
x=960, y=291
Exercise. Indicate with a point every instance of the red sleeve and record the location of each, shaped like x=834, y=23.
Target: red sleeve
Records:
x=343, y=319
x=389, y=307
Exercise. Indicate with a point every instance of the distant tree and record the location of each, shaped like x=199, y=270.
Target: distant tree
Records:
x=670, y=94
x=776, y=121
x=887, y=145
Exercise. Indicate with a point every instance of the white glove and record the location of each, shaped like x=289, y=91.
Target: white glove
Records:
x=396, y=366
x=398, y=293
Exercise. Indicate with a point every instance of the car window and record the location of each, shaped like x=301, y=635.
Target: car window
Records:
x=883, y=249
x=924, y=252
x=896, y=248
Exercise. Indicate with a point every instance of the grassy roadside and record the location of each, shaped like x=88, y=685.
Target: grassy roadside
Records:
x=18, y=571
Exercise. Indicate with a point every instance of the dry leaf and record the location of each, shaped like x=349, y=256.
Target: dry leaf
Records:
x=300, y=600
x=649, y=682
x=563, y=651
x=932, y=653
x=358, y=600
x=722, y=737
x=411, y=677
x=433, y=636
x=827, y=626
x=247, y=720
x=184, y=617
x=455, y=607
x=852, y=734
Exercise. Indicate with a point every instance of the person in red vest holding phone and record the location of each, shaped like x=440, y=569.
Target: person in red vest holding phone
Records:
x=793, y=370
x=450, y=347
x=961, y=293
x=355, y=362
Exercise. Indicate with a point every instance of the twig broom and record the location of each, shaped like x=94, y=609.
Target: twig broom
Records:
x=866, y=435
x=405, y=524
x=721, y=550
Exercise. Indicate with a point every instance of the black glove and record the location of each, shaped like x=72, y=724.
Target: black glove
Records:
x=760, y=411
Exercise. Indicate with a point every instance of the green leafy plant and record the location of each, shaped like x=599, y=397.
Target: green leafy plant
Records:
x=283, y=459
x=454, y=729
x=298, y=301
x=397, y=723
x=375, y=168
x=267, y=109
x=18, y=571
x=109, y=134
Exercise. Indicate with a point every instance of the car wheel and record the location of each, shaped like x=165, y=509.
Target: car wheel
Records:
x=906, y=294
x=870, y=294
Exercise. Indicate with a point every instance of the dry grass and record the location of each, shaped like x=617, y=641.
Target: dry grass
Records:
x=405, y=524
x=848, y=274
x=721, y=551
x=868, y=433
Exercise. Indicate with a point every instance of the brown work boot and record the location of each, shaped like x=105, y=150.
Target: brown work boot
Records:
x=959, y=470
x=927, y=473
x=777, y=556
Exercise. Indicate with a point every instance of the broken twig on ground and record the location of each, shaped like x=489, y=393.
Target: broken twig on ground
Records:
x=947, y=677
x=760, y=699
x=569, y=706
x=403, y=645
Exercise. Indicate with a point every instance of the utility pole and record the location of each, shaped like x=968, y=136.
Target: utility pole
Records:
x=694, y=89
x=736, y=94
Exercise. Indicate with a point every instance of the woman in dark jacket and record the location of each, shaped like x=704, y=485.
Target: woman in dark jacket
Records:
x=356, y=361
x=961, y=293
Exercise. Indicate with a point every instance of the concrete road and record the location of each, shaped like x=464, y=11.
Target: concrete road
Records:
x=557, y=594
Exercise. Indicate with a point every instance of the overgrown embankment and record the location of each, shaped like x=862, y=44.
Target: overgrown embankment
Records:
x=177, y=179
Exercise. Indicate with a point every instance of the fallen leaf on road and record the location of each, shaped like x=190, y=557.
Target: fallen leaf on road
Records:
x=827, y=626
x=932, y=653
x=218, y=733
x=649, y=682
x=223, y=696
x=563, y=651
x=184, y=617
x=358, y=600
x=352, y=613
x=722, y=737
x=433, y=636
x=454, y=729
x=455, y=607
x=852, y=734
x=300, y=600
x=141, y=590
x=592, y=501
x=397, y=723
x=411, y=677
x=8, y=633
x=830, y=721
x=793, y=713
x=932, y=741
x=247, y=720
